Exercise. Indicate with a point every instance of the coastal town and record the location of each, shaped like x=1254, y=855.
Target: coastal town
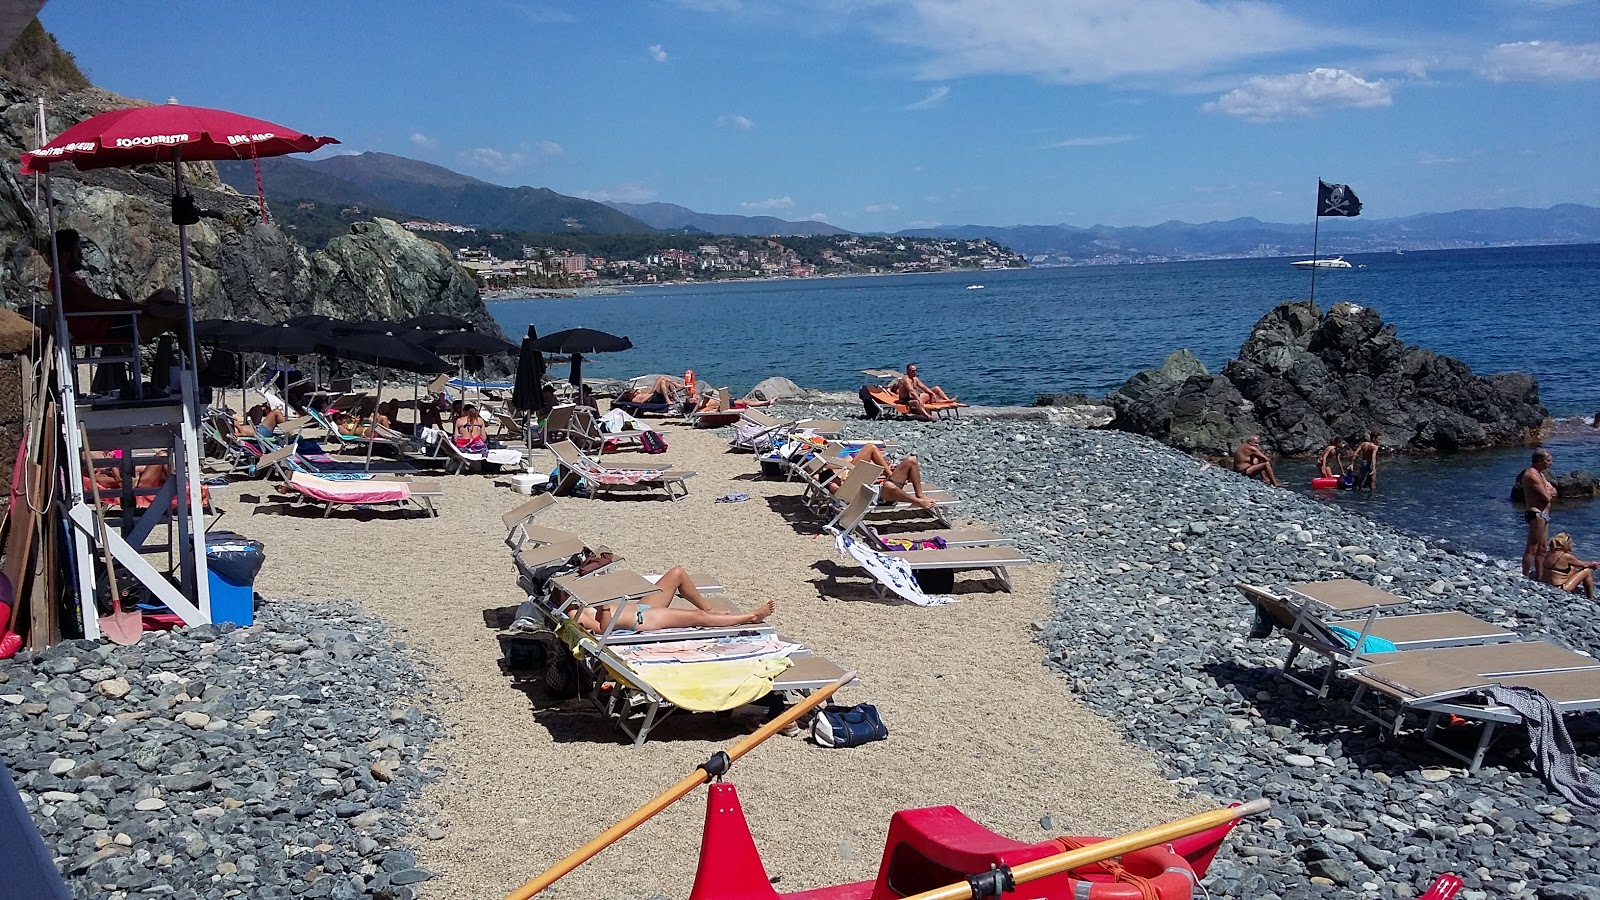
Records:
x=499, y=260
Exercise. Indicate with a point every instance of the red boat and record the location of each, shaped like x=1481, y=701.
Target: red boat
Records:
x=938, y=846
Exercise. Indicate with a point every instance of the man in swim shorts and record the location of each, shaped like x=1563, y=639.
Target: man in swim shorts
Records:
x=1538, y=494
x=1366, y=462
x=1330, y=464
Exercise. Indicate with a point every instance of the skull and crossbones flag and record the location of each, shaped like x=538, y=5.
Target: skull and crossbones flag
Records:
x=1336, y=200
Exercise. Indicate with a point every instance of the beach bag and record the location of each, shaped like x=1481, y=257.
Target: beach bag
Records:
x=848, y=726
x=652, y=442
x=935, y=581
x=594, y=562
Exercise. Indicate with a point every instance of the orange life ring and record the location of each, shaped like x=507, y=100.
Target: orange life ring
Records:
x=1154, y=873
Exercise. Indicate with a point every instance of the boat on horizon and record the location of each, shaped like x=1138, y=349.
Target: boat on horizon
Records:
x=1331, y=262
x=974, y=287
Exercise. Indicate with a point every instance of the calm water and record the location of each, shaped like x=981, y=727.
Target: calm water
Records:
x=1088, y=329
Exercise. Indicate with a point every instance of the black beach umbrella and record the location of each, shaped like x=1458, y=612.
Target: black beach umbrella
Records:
x=313, y=321
x=224, y=332
x=437, y=322
x=527, y=391
x=281, y=340
x=386, y=351
x=575, y=342
x=371, y=326
x=462, y=343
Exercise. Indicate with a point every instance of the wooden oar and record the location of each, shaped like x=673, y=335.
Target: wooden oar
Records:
x=1135, y=840
x=673, y=794
x=123, y=626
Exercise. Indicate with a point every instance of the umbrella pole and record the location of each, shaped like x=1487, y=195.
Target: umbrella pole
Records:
x=372, y=429
x=188, y=291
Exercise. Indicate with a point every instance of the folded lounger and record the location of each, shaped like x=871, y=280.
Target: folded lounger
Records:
x=1306, y=627
x=364, y=493
x=574, y=465
x=1427, y=684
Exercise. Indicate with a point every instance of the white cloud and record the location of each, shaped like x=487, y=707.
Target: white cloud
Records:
x=627, y=192
x=1542, y=61
x=423, y=142
x=548, y=149
x=934, y=98
x=922, y=223
x=1433, y=159
x=1102, y=140
x=1091, y=41
x=769, y=203
x=743, y=123
x=817, y=217
x=494, y=160
x=1267, y=98
x=658, y=53
x=873, y=209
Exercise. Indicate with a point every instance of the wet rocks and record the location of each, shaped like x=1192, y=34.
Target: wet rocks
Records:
x=224, y=762
x=1304, y=376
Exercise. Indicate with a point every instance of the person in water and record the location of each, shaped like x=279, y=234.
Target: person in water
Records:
x=1537, y=496
x=1366, y=462
x=1566, y=571
x=1252, y=462
x=652, y=613
x=1330, y=464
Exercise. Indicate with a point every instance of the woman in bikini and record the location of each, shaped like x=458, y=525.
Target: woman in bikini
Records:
x=1566, y=571
x=469, y=434
x=713, y=401
x=663, y=390
x=652, y=613
x=896, y=477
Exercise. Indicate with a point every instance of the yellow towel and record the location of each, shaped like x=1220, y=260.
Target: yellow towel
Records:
x=715, y=685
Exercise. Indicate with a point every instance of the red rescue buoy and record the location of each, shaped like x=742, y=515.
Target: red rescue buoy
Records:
x=1324, y=484
x=1154, y=873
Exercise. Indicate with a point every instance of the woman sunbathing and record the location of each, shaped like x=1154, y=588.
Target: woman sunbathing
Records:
x=1566, y=571
x=651, y=613
x=712, y=403
x=663, y=390
x=896, y=477
x=261, y=421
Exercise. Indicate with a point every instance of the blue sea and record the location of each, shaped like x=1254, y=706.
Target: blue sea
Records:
x=1025, y=332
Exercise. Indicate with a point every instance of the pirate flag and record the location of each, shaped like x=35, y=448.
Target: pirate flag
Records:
x=1336, y=200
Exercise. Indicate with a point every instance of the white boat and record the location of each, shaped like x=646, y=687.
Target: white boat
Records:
x=1332, y=262
x=974, y=287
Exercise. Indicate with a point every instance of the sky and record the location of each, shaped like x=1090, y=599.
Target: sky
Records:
x=878, y=115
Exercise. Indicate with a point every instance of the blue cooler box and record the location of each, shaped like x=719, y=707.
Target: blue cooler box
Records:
x=232, y=562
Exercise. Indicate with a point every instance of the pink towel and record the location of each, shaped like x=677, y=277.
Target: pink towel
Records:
x=350, y=491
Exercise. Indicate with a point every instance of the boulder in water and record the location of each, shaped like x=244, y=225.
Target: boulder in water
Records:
x=1304, y=376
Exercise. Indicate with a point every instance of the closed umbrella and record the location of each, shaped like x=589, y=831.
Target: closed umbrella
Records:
x=527, y=392
x=575, y=342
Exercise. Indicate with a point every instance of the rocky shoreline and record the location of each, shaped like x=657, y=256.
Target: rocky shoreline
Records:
x=279, y=760
x=1149, y=630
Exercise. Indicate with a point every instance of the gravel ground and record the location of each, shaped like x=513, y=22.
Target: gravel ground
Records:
x=269, y=761
x=1148, y=629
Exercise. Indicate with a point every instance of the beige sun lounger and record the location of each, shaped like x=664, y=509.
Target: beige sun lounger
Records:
x=575, y=466
x=1493, y=660
x=724, y=414
x=853, y=519
x=866, y=475
x=1306, y=629
x=620, y=587
x=1425, y=684
x=820, y=427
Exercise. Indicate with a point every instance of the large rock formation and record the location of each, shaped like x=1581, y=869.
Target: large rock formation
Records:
x=241, y=267
x=1304, y=376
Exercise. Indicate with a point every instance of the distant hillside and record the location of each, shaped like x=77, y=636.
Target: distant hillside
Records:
x=431, y=192
x=672, y=217
x=1568, y=223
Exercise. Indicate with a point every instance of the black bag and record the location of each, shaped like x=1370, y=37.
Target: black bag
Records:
x=848, y=726
x=867, y=402
x=935, y=581
x=222, y=369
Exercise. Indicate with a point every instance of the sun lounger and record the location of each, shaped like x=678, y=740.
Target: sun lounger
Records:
x=1426, y=684
x=460, y=462
x=724, y=414
x=575, y=466
x=619, y=587
x=995, y=559
x=820, y=427
x=852, y=518
x=869, y=474
x=882, y=400
x=1306, y=626
x=364, y=493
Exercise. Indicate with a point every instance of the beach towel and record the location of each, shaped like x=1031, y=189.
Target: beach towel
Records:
x=743, y=646
x=349, y=492
x=621, y=476
x=717, y=686
x=893, y=573
x=1554, y=754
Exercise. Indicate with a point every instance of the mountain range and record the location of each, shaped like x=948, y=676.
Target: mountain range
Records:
x=410, y=187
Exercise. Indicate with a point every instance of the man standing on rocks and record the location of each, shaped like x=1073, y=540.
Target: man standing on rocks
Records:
x=1366, y=461
x=1252, y=462
x=1537, y=495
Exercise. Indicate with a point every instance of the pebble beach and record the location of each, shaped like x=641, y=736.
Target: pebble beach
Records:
x=362, y=739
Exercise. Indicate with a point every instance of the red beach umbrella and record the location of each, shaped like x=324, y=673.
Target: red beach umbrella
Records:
x=167, y=133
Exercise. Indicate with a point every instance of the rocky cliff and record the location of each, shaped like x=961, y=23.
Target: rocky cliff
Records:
x=241, y=267
x=1304, y=376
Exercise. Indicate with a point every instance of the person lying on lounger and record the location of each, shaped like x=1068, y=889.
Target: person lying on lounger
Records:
x=651, y=613
x=662, y=390
x=260, y=421
x=897, y=477
x=713, y=399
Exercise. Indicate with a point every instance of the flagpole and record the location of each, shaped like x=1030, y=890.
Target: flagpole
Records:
x=1316, y=228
